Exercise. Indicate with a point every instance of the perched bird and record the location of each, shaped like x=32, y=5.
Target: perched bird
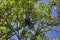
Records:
x=27, y=22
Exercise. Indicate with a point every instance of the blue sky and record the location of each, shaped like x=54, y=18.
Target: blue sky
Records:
x=53, y=34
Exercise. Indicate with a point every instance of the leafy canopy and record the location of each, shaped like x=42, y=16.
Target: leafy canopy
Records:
x=24, y=13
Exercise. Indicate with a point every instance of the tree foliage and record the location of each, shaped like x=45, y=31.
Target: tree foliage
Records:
x=23, y=13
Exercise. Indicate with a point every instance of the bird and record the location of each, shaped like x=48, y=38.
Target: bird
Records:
x=27, y=22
